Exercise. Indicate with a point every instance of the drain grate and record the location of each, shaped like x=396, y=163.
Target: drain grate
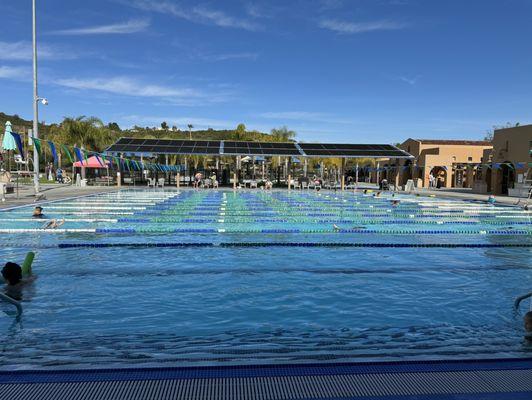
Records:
x=505, y=379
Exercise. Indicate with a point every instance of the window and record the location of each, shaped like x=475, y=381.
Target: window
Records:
x=469, y=159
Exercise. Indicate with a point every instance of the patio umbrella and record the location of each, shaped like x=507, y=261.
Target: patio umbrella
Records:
x=8, y=142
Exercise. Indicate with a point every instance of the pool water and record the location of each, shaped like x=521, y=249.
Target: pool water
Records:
x=139, y=304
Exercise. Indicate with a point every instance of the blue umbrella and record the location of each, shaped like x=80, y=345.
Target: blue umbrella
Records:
x=8, y=143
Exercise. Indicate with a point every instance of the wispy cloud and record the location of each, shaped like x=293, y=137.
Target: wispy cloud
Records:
x=225, y=56
x=198, y=14
x=131, y=26
x=261, y=10
x=18, y=73
x=127, y=86
x=347, y=27
x=411, y=81
x=22, y=51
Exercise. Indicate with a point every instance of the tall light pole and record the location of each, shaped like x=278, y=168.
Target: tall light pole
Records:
x=35, y=103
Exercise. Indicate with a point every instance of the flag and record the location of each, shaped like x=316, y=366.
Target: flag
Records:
x=37, y=145
x=53, y=150
x=18, y=141
x=67, y=152
x=99, y=161
x=78, y=155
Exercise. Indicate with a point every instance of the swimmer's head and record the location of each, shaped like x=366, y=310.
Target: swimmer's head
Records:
x=528, y=322
x=37, y=210
x=12, y=273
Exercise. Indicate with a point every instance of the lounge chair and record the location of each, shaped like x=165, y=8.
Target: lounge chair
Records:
x=160, y=182
x=151, y=182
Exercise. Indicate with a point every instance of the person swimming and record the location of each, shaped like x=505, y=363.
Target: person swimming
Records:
x=38, y=212
x=53, y=224
x=354, y=228
x=395, y=203
x=378, y=194
x=16, y=276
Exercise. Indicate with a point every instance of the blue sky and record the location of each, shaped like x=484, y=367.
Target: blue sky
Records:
x=333, y=70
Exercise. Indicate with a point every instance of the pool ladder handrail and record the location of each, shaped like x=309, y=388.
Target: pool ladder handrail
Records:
x=521, y=298
x=10, y=300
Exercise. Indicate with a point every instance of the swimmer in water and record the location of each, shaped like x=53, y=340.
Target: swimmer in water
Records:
x=53, y=224
x=37, y=212
x=395, y=203
x=16, y=277
x=378, y=194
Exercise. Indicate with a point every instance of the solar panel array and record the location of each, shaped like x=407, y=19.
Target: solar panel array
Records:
x=260, y=148
x=352, y=150
x=166, y=146
x=227, y=147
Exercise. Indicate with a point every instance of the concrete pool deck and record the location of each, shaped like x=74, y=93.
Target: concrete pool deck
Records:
x=54, y=192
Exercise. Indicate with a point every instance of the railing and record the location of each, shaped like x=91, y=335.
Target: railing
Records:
x=10, y=300
x=521, y=298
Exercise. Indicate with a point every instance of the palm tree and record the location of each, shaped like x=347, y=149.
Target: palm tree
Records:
x=82, y=131
x=190, y=126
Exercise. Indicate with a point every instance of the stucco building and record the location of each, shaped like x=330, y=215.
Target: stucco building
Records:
x=450, y=162
x=511, y=161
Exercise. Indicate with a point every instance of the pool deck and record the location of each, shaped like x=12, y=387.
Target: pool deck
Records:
x=505, y=379
x=54, y=192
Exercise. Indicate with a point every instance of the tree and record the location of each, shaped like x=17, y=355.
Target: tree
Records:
x=240, y=132
x=114, y=126
x=174, y=128
x=164, y=126
x=190, y=126
x=282, y=134
x=86, y=132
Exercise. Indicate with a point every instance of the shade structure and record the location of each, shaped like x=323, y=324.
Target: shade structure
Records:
x=92, y=162
x=149, y=147
x=8, y=142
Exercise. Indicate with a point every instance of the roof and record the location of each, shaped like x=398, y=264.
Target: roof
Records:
x=456, y=142
x=229, y=147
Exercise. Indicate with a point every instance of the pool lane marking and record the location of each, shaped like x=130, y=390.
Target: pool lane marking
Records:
x=58, y=230
x=295, y=244
x=66, y=220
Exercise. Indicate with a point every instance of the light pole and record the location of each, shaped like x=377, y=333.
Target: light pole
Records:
x=35, y=103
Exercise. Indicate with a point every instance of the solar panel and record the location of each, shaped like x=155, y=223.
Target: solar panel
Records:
x=260, y=148
x=230, y=147
x=352, y=150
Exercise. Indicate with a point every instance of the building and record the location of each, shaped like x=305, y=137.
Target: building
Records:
x=450, y=162
x=511, y=160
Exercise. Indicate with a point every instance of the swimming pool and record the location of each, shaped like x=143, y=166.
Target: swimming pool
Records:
x=160, y=278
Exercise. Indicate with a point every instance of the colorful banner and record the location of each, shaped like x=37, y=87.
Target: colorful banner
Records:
x=37, y=145
x=53, y=150
x=67, y=152
x=18, y=141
